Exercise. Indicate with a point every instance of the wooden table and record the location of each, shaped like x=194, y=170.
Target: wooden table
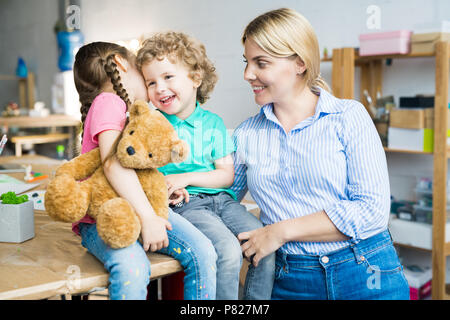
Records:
x=54, y=262
x=52, y=121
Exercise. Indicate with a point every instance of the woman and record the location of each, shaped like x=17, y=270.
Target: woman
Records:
x=316, y=167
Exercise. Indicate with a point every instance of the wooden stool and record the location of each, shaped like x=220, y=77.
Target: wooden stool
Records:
x=37, y=139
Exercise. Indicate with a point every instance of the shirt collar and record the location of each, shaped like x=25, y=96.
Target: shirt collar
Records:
x=326, y=104
x=193, y=120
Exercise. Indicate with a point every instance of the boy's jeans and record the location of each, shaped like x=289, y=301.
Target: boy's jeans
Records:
x=129, y=268
x=221, y=219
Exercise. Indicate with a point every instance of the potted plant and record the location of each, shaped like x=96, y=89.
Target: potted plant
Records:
x=16, y=218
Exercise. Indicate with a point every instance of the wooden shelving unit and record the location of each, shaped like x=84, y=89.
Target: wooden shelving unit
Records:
x=26, y=89
x=344, y=61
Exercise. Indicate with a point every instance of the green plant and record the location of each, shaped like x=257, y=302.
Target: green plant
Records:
x=11, y=198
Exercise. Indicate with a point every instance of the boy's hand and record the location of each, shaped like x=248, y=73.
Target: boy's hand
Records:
x=177, y=181
x=178, y=195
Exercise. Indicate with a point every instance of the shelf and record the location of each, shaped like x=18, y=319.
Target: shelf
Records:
x=26, y=88
x=386, y=149
x=411, y=247
x=434, y=237
x=11, y=77
x=406, y=151
x=359, y=58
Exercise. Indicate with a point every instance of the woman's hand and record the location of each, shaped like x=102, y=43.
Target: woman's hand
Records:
x=154, y=234
x=261, y=242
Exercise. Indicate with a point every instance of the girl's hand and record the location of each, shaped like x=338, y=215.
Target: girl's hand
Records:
x=154, y=234
x=261, y=242
x=176, y=181
x=178, y=195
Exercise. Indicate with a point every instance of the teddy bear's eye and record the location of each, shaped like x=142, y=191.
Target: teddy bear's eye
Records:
x=150, y=155
x=131, y=132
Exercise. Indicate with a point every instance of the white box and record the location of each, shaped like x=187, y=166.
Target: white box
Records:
x=416, y=234
x=65, y=98
x=406, y=139
x=417, y=279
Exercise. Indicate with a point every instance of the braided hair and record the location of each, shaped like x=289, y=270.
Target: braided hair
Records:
x=94, y=66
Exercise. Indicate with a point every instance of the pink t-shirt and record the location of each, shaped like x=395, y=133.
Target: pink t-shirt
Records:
x=107, y=112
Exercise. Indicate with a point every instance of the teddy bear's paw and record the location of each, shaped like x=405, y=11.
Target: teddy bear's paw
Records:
x=66, y=200
x=118, y=224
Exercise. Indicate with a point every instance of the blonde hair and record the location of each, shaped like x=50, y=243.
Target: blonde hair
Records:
x=177, y=46
x=285, y=33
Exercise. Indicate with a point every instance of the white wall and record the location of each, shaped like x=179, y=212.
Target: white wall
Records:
x=26, y=30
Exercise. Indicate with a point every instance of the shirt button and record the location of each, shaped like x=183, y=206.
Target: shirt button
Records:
x=325, y=259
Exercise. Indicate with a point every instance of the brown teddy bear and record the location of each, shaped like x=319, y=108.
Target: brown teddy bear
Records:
x=147, y=142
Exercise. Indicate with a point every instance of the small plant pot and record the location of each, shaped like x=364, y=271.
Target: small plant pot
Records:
x=16, y=222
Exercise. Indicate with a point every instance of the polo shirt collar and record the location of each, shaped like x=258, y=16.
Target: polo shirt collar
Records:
x=193, y=120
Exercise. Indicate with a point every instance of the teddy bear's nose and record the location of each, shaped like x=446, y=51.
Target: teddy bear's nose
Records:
x=130, y=151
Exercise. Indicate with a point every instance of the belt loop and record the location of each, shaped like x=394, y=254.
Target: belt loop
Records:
x=358, y=257
x=283, y=257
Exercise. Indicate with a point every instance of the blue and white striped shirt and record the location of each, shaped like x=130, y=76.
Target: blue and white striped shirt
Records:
x=332, y=161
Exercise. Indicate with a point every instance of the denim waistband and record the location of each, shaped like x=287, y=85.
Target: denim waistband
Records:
x=198, y=195
x=351, y=252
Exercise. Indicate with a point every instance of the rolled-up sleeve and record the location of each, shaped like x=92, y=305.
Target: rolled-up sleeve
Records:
x=365, y=211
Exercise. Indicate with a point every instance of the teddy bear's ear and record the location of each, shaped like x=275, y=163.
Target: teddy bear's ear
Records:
x=138, y=108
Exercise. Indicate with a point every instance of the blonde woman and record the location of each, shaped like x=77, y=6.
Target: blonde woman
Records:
x=316, y=167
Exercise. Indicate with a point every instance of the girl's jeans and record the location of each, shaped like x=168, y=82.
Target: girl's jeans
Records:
x=129, y=268
x=221, y=219
x=369, y=270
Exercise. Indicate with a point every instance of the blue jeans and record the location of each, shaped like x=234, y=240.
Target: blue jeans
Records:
x=221, y=219
x=129, y=268
x=369, y=270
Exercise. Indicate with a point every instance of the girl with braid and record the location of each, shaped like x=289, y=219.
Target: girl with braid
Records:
x=108, y=81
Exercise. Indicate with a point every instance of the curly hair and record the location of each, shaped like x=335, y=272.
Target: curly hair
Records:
x=179, y=47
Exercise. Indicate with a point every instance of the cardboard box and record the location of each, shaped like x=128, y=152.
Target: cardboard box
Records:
x=429, y=118
x=412, y=139
x=407, y=118
x=426, y=42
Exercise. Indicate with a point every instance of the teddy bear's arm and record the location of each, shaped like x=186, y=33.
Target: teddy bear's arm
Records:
x=82, y=166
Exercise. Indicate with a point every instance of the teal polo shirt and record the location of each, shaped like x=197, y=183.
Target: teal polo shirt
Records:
x=208, y=140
